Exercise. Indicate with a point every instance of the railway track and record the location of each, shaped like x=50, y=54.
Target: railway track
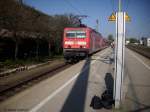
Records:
x=10, y=89
x=17, y=86
x=145, y=51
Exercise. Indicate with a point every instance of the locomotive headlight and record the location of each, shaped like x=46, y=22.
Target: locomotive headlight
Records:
x=81, y=43
x=68, y=42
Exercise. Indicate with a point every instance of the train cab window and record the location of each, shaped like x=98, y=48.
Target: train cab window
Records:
x=80, y=34
x=70, y=34
x=76, y=34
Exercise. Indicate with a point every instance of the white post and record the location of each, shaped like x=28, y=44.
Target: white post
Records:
x=119, y=57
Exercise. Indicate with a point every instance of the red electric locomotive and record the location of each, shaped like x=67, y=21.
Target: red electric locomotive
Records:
x=80, y=42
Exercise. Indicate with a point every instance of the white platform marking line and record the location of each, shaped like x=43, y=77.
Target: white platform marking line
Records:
x=42, y=103
x=37, y=107
x=148, y=67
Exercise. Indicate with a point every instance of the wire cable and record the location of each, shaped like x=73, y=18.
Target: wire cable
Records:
x=76, y=9
x=128, y=2
x=112, y=5
x=72, y=6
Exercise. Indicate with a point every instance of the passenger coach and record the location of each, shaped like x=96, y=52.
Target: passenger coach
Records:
x=80, y=42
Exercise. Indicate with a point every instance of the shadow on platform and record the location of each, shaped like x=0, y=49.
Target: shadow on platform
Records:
x=142, y=107
x=106, y=99
x=138, y=106
x=75, y=101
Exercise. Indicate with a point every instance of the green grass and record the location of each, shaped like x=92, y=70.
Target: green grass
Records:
x=9, y=63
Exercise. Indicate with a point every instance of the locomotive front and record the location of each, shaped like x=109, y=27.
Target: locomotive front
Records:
x=75, y=43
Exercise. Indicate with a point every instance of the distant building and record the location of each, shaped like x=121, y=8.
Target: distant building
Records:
x=141, y=42
x=145, y=41
x=148, y=42
x=127, y=42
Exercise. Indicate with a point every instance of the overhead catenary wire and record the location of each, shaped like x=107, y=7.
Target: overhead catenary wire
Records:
x=72, y=6
x=78, y=11
x=128, y=3
x=112, y=5
x=75, y=8
x=112, y=2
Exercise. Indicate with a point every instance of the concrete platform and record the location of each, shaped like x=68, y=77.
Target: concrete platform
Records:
x=71, y=90
x=136, y=83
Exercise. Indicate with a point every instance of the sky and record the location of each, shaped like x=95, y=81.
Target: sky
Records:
x=138, y=10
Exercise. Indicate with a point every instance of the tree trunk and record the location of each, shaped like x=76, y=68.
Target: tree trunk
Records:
x=16, y=50
x=16, y=46
x=37, y=49
x=49, y=49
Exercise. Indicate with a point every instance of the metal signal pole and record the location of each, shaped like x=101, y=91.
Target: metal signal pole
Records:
x=119, y=56
x=120, y=18
x=119, y=6
x=97, y=25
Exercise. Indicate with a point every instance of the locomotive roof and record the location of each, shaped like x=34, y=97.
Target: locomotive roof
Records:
x=83, y=28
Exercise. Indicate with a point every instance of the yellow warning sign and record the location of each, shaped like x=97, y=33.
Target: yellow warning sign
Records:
x=127, y=17
x=112, y=17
